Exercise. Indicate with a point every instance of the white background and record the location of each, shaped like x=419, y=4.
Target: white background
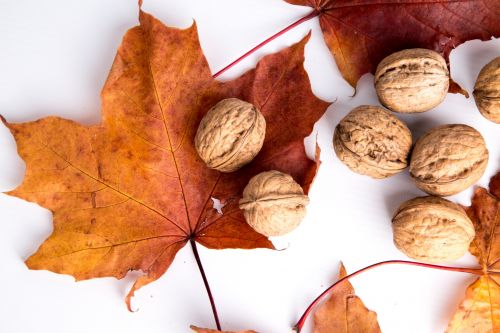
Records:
x=54, y=58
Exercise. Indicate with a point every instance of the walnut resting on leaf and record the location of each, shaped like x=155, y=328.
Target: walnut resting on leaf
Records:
x=432, y=229
x=273, y=203
x=487, y=91
x=230, y=135
x=373, y=142
x=413, y=80
x=448, y=159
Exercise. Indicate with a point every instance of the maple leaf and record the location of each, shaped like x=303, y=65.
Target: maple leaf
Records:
x=206, y=330
x=345, y=312
x=360, y=33
x=130, y=192
x=480, y=310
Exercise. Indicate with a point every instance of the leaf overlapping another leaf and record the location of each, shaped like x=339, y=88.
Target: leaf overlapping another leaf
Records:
x=128, y=193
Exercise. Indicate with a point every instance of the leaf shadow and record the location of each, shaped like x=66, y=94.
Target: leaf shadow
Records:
x=394, y=200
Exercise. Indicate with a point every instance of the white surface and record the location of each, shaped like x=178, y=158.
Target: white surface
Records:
x=54, y=58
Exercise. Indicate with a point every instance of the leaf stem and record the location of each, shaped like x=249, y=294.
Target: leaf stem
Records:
x=298, y=327
x=309, y=16
x=205, y=281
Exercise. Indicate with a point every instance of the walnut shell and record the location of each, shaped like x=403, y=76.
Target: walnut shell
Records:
x=448, y=159
x=432, y=229
x=230, y=135
x=273, y=203
x=413, y=80
x=372, y=142
x=487, y=91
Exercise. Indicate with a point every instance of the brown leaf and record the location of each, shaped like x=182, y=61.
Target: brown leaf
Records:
x=480, y=310
x=128, y=193
x=360, y=33
x=206, y=330
x=344, y=312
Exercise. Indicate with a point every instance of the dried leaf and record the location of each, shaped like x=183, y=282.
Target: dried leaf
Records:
x=128, y=193
x=480, y=310
x=344, y=312
x=361, y=33
x=206, y=330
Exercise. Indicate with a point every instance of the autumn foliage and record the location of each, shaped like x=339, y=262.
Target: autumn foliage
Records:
x=344, y=312
x=480, y=309
x=360, y=33
x=128, y=193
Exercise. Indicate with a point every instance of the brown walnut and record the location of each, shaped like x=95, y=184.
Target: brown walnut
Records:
x=432, y=229
x=448, y=159
x=372, y=142
x=413, y=80
x=230, y=135
x=487, y=91
x=273, y=203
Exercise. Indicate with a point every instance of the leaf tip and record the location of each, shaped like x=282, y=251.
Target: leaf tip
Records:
x=302, y=43
x=128, y=298
x=342, y=270
x=455, y=88
x=308, y=35
x=4, y=121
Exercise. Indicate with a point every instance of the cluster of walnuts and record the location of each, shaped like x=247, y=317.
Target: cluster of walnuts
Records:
x=229, y=136
x=448, y=159
x=372, y=141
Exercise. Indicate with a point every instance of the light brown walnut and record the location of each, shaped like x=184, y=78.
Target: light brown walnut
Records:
x=432, y=229
x=413, y=80
x=371, y=141
x=487, y=91
x=448, y=159
x=230, y=135
x=273, y=203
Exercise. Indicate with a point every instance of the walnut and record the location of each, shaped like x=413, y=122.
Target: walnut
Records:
x=372, y=142
x=230, y=135
x=487, y=91
x=432, y=229
x=273, y=203
x=413, y=80
x=448, y=159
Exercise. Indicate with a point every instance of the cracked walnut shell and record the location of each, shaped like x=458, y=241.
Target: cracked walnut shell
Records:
x=413, y=80
x=448, y=159
x=373, y=142
x=273, y=203
x=487, y=91
x=230, y=135
x=432, y=229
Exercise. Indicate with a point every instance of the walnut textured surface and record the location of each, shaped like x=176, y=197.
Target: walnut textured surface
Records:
x=432, y=229
x=487, y=91
x=373, y=142
x=448, y=159
x=413, y=80
x=273, y=203
x=230, y=135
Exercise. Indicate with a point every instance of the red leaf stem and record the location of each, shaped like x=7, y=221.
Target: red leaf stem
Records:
x=205, y=281
x=309, y=16
x=298, y=327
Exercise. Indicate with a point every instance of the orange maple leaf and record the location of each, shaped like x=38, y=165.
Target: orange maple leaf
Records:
x=360, y=34
x=130, y=192
x=479, y=312
x=344, y=312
